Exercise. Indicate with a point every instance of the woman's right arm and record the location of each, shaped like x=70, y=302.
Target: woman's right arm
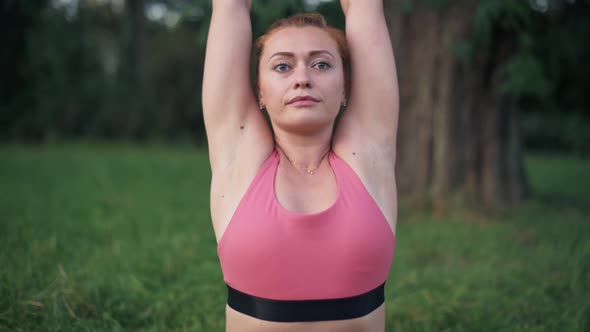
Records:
x=230, y=109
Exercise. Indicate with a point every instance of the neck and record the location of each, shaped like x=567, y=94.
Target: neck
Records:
x=306, y=152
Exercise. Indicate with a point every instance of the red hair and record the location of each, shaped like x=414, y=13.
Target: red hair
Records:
x=301, y=21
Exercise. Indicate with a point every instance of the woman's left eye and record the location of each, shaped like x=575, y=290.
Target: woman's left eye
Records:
x=322, y=65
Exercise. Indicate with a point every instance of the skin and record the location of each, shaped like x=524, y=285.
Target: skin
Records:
x=300, y=62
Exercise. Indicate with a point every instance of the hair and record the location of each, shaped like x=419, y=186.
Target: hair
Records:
x=301, y=21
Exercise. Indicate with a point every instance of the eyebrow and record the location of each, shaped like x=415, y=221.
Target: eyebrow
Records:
x=291, y=55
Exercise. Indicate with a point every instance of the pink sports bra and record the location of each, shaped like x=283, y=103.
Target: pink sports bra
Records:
x=268, y=252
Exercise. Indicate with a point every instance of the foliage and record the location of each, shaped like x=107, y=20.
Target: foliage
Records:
x=561, y=48
x=498, y=14
x=547, y=56
x=524, y=76
x=65, y=73
x=545, y=70
x=507, y=24
x=17, y=19
x=119, y=238
x=77, y=64
x=64, y=100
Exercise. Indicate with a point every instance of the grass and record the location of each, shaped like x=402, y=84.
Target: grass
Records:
x=118, y=238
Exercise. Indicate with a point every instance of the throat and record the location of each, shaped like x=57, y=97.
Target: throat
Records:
x=307, y=168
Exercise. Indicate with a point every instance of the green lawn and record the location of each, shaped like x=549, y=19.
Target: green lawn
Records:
x=118, y=238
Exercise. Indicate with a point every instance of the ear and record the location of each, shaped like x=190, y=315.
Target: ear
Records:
x=260, y=102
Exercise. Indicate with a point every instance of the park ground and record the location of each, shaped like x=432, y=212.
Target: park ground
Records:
x=100, y=237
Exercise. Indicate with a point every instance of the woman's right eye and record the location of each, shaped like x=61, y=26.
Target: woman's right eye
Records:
x=281, y=67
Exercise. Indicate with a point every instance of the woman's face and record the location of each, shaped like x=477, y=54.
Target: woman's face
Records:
x=301, y=79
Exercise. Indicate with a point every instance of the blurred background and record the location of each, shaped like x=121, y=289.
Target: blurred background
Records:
x=104, y=174
x=480, y=80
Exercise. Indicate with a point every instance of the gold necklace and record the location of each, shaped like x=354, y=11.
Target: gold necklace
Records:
x=310, y=171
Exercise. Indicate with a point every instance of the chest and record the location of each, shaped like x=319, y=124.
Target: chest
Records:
x=337, y=252
x=300, y=192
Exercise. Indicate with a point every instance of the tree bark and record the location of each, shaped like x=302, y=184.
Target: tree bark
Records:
x=456, y=133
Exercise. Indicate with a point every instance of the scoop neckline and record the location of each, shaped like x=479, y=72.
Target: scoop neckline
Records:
x=299, y=215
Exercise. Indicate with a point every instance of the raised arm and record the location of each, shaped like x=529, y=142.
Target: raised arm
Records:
x=230, y=109
x=366, y=134
x=372, y=112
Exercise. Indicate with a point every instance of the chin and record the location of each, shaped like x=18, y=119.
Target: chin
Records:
x=307, y=123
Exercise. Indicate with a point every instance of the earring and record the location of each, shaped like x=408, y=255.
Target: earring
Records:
x=344, y=103
x=260, y=105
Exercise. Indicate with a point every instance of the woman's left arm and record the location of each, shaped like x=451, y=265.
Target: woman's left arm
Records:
x=372, y=112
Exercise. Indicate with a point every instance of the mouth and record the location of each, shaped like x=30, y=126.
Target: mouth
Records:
x=302, y=101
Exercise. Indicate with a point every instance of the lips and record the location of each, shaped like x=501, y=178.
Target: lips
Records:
x=303, y=100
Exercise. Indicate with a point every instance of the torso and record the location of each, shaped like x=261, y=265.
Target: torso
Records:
x=311, y=195
x=301, y=193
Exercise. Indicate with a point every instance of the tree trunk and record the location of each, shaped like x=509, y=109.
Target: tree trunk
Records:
x=18, y=20
x=456, y=132
x=135, y=11
x=128, y=122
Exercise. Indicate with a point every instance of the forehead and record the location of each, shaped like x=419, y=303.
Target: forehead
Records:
x=300, y=40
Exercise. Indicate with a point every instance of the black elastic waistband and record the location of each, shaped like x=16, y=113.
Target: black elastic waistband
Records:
x=306, y=310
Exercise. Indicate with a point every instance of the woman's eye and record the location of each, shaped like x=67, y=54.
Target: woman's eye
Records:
x=281, y=67
x=322, y=65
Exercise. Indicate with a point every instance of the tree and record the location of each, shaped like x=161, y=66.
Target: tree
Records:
x=457, y=132
x=18, y=19
x=136, y=47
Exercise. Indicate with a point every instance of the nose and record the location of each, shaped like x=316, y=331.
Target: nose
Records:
x=302, y=79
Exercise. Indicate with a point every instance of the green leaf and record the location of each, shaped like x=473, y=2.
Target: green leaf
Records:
x=523, y=75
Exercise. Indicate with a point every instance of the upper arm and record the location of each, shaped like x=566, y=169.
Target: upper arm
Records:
x=230, y=108
x=372, y=110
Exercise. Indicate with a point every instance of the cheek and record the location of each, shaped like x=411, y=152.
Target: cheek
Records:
x=273, y=90
x=337, y=80
x=267, y=92
x=265, y=82
x=338, y=85
x=264, y=89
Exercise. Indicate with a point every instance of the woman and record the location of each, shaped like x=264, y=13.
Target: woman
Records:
x=304, y=211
